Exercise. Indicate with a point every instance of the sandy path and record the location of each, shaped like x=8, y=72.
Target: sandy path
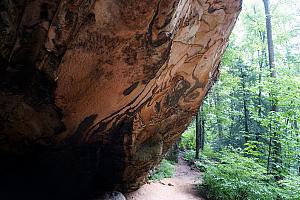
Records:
x=180, y=187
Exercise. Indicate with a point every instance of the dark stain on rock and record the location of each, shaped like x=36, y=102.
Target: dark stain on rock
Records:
x=100, y=130
x=96, y=42
x=211, y=9
x=192, y=96
x=162, y=38
x=180, y=87
x=139, y=37
x=108, y=75
x=130, y=55
x=97, y=73
x=151, y=69
x=111, y=155
x=130, y=89
x=157, y=107
x=82, y=128
x=69, y=17
x=90, y=19
x=59, y=129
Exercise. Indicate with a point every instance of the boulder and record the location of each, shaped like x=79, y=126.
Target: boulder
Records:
x=94, y=93
x=114, y=195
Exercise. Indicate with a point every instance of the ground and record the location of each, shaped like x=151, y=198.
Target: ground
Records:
x=180, y=187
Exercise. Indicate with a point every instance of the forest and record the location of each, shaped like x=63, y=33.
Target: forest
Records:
x=246, y=135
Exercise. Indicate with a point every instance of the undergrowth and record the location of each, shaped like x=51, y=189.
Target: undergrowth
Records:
x=164, y=170
x=232, y=176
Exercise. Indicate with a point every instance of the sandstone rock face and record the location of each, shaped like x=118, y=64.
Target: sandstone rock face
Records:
x=102, y=88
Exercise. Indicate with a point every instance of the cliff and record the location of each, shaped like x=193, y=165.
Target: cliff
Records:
x=94, y=92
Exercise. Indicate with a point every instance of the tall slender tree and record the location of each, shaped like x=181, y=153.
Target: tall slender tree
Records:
x=199, y=132
x=274, y=135
x=245, y=105
x=197, y=136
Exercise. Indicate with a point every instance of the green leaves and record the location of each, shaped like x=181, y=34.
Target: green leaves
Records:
x=165, y=170
x=237, y=110
x=255, y=114
x=253, y=149
x=188, y=138
x=237, y=177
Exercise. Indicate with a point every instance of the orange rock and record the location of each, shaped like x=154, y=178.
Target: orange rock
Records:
x=108, y=84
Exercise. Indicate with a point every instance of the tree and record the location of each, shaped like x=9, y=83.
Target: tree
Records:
x=199, y=132
x=274, y=136
x=245, y=102
x=247, y=82
x=198, y=135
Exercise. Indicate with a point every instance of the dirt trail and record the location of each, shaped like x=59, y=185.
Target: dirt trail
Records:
x=180, y=187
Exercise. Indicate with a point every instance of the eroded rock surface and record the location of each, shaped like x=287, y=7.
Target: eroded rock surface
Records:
x=100, y=89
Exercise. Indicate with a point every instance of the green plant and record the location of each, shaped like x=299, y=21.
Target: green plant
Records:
x=209, y=154
x=237, y=177
x=188, y=139
x=289, y=188
x=189, y=155
x=164, y=170
x=201, y=166
x=252, y=149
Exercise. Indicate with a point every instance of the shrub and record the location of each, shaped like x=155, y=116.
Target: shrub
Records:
x=189, y=155
x=188, y=139
x=209, y=154
x=164, y=170
x=201, y=166
x=289, y=188
x=241, y=178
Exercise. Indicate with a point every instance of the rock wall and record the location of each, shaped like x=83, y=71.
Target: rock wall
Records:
x=100, y=89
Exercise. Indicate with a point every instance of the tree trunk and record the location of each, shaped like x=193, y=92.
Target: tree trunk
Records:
x=199, y=132
x=276, y=139
x=270, y=43
x=202, y=129
x=232, y=117
x=261, y=61
x=216, y=98
x=245, y=107
x=94, y=93
x=198, y=135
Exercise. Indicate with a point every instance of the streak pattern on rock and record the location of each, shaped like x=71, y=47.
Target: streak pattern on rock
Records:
x=117, y=79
